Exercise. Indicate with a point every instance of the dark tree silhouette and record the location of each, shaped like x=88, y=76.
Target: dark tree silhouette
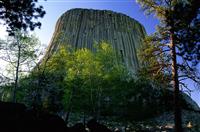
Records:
x=20, y=14
x=179, y=31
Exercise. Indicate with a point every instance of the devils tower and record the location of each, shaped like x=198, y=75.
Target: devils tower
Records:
x=81, y=28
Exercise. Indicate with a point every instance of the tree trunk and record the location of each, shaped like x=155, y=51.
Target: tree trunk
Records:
x=177, y=106
x=41, y=83
x=17, y=74
x=84, y=121
x=98, y=112
x=69, y=109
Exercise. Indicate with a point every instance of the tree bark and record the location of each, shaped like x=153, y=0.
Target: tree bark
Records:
x=177, y=106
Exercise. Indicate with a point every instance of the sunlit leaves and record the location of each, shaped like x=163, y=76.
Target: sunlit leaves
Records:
x=84, y=74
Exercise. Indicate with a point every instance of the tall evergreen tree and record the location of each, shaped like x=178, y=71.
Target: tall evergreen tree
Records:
x=179, y=31
x=20, y=14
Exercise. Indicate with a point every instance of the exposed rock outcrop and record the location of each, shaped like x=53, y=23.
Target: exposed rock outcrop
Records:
x=82, y=28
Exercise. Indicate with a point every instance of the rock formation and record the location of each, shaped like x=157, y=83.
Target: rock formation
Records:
x=81, y=28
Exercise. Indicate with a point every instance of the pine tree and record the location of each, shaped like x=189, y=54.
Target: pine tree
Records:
x=20, y=14
x=179, y=32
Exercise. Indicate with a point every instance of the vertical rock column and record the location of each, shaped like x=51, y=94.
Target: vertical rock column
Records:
x=81, y=28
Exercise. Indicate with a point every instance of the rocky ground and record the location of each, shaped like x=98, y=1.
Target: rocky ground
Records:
x=162, y=123
x=165, y=123
x=190, y=120
x=15, y=117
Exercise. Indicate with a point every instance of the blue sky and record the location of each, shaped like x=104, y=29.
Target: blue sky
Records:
x=55, y=8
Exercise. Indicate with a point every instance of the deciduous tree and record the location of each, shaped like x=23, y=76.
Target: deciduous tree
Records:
x=19, y=52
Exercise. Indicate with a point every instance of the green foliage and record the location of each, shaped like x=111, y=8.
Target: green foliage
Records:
x=21, y=47
x=130, y=100
x=6, y=92
x=99, y=84
x=73, y=77
x=95, y=84
x=20, y=54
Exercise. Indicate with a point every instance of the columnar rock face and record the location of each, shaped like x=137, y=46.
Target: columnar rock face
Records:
x=81, y=28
